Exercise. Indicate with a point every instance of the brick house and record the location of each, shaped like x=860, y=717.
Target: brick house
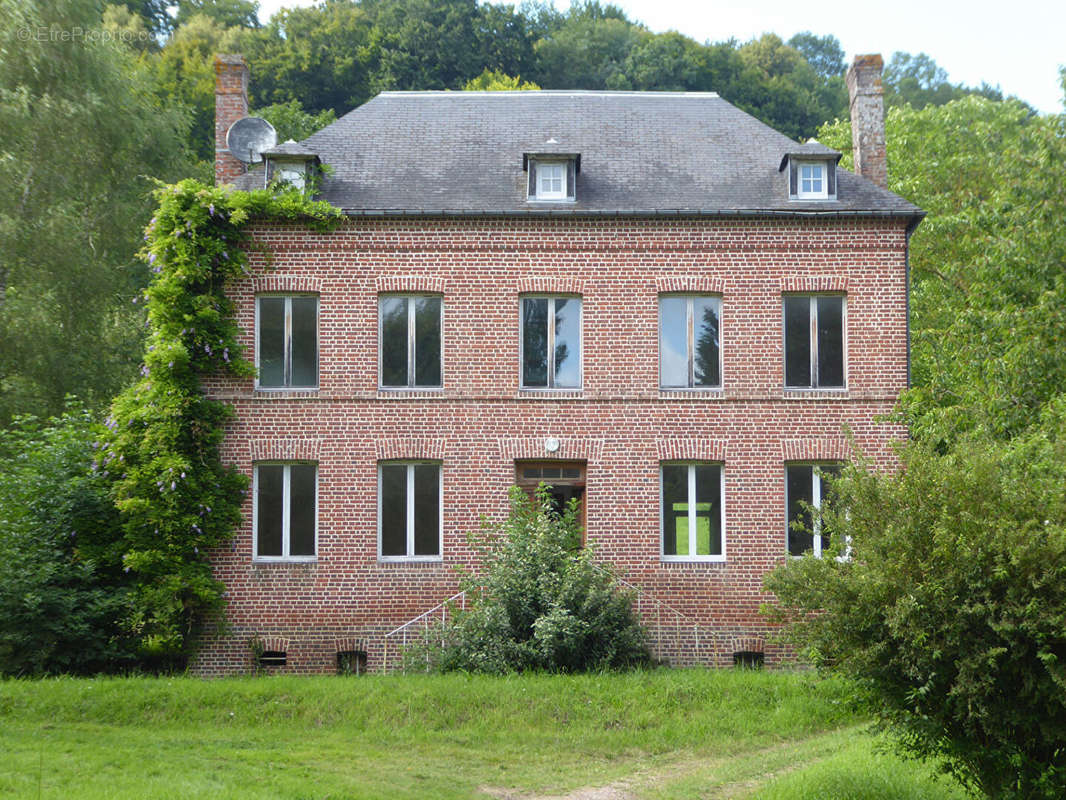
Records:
x=652, y=301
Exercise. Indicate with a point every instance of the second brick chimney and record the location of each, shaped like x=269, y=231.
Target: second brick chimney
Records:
x=231, y=104
x=868, y=118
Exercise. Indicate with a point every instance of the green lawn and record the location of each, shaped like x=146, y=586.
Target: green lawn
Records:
x=661, y=734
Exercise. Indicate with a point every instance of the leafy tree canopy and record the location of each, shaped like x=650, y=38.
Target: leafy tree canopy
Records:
x=497, y=82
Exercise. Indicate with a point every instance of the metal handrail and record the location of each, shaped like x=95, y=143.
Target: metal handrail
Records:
x=423, y=618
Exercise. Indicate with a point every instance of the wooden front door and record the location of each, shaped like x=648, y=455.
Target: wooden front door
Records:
x=565, y=479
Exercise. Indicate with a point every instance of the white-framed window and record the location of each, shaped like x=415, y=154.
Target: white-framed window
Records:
x=552, y=179
x=409, y=341
x=814, y=342
x=812, y=181
x=690, y=353
x=807, y=488
x=410, y=517
x=550, y=339
x=285, y=511
x=286, y=341
x=692, y=511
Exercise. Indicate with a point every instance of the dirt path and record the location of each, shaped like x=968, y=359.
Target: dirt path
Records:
x=633, y=786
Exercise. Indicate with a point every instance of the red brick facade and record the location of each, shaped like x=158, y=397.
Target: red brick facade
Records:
x=619, y=423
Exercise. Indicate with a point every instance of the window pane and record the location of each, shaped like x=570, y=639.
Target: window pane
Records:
x=830, y=341
x=304, y=341
x=427, y=341
x=797, y=341
x=551, y=472
x=535, y=341
x=427, y=510
x=302, y=510
x=571, y=473
x=673, y=341
x=705, y=340
x=567, y=342
x=270, y=489
x=675, y=510
x=708, y=511
x=799, y=488
x=393, y=510
x=393, y=341
x=271, y=341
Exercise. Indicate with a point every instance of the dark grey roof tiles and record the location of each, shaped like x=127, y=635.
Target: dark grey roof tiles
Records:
x=641, y=153
x=290, y=148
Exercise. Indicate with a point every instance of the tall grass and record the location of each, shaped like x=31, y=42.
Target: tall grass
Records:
x=393, y=737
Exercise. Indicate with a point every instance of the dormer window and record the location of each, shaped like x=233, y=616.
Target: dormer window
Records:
x=812, y=172
x=552, y=176
x=290, y=165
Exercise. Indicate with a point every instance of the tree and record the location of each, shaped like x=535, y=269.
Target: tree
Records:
x=989, y=292
x=950, y=614
x=225, y=13
x=541, y=603
x=292, y=122
x=63, y=593
x=185, y=79
x=71, y=216
x=497, y=82
x=823, y=53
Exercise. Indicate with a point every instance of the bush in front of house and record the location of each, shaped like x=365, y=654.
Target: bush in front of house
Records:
x=63, y=592
x=540, y=603
x=950, y=614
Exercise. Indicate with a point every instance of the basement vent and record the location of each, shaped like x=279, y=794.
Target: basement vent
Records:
x=748, y=659
x=351, y=662
x=272, y=658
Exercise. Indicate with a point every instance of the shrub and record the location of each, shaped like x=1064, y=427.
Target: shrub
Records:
x=951, y=612
x=62, y=588
x=541, y=602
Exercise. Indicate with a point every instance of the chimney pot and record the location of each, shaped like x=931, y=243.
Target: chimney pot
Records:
x=231, y=104
x=867, y=103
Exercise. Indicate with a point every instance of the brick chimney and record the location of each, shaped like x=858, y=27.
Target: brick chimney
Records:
x=868, y=118
x=231, y=104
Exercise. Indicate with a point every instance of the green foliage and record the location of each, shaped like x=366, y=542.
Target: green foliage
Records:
x=70, y=213
x=185, y=78
x=62, y=589
x=226, y=13
x=292, y=122
x=951, y=612
x=988, y=293
x=541, y=604
x=918, y=81
x=497, y=81
x=177, y=499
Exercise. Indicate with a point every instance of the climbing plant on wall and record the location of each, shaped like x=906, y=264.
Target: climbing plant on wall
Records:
x=176, y=497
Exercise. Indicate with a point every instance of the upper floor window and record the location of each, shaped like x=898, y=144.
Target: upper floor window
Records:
x=286, y=511
x=814, y=341
x=690, y=354
x=287, y=341
x=409, y=336
x=551, y=342
x=410, y=498
x=810, y=177
x=552, y=177
x=807, y=489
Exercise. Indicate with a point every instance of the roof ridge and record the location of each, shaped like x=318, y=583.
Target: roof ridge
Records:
x=543, y=92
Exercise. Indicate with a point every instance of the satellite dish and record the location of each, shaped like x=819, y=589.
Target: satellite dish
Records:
x=247, y=139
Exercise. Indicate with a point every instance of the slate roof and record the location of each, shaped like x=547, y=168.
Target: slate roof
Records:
x=642, y=153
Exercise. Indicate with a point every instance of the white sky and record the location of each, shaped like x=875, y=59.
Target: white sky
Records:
x=1017, y=45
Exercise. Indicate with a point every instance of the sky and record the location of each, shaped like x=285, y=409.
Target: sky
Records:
x=1017, y=46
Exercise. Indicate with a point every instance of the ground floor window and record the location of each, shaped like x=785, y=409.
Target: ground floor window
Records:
x=807, y=488
x=692, y=512
x=409, y=510
x=286, y=503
